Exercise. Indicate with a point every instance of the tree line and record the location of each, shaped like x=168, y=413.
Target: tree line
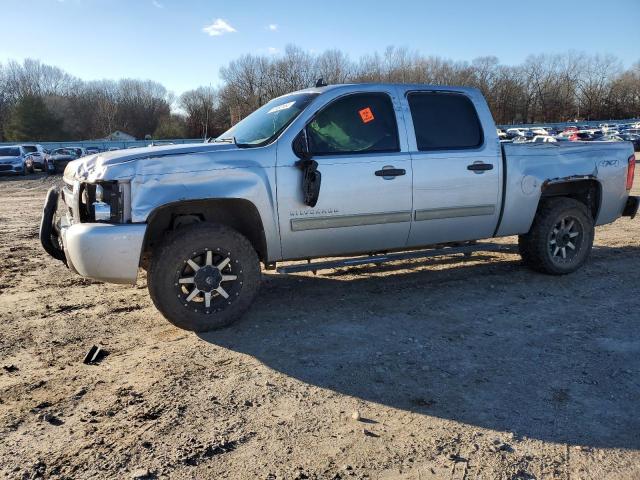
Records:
x=43, y=102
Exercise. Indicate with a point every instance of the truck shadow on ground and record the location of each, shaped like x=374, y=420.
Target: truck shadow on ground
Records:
x=490, y=344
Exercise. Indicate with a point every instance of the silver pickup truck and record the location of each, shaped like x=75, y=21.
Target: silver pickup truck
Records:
x=375, y=171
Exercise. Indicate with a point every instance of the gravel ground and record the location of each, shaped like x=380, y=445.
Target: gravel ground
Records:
x=473, y=369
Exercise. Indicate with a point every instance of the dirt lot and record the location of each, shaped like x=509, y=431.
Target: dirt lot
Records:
x=480, y=369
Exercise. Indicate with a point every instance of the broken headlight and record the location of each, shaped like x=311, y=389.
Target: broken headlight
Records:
x=105, y=202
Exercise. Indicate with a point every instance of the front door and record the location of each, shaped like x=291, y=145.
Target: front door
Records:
x=365, y=195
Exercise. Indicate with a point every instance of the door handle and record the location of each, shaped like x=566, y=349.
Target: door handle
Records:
x=391, y=172
x=480, y=167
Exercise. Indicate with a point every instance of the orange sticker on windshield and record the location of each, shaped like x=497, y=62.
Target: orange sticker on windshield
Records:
x=366, y=115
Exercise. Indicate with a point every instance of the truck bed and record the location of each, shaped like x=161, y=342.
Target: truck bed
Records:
x=528, y=168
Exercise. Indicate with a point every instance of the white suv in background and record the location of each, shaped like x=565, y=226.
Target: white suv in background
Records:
x=39, y=158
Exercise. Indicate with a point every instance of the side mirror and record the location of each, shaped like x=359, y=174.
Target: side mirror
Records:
x=301, y=146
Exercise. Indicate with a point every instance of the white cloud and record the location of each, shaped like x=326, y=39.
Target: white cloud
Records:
x=157, y=4
x=273, y=51
x=272, y=27
x=218, y=27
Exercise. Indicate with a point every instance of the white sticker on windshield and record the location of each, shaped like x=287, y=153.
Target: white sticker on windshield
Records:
x=284, y=106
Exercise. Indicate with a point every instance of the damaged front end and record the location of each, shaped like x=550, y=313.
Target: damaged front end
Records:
x=84, y=225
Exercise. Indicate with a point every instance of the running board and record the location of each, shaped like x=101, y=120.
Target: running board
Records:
x=391, y=257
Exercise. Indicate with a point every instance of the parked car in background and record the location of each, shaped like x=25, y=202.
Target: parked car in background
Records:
x=517, y=132
x=608, y=138
x=38, y=156
x=502, y=135
x=587, y=135
x=60, y=157
x=633, y=138
x=543, y=139
x=539, y=131
x=93, y=150
x=608, y=126
x=14, y=159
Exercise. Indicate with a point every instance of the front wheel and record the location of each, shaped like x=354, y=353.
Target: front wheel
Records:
x=560, y=239
x=204, y=277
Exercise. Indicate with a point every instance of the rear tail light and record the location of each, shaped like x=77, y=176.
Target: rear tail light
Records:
x=631, y=170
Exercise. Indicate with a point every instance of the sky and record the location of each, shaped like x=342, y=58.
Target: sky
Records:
x=183, y=43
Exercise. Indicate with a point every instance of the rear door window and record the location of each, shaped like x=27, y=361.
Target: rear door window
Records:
x=444, y=121
x=357, y=123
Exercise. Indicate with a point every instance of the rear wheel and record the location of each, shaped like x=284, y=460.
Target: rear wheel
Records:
x=560, y=239
x=204, y=277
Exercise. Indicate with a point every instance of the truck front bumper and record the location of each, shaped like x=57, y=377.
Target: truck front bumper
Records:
x=631, y=207
x=101, y=251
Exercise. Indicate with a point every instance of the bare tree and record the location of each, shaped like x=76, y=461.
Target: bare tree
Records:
x=544, y=88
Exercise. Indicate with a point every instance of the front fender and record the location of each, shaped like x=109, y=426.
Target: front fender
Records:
x=250, y=183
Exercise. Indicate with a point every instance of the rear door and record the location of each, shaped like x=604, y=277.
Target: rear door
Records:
x=456, y=167
x=365, y=195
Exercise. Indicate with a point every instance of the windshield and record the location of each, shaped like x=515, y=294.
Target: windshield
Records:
x=9, y=152
x=266, y=123
x=30, y=148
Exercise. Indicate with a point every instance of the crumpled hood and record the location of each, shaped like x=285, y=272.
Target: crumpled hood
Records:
x=124, y=164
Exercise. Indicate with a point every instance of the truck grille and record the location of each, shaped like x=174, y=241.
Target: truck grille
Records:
x=69, y=202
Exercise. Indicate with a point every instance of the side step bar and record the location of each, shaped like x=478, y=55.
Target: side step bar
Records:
x=391, y=257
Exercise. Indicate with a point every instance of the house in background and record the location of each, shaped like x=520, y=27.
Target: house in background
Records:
x=119, y=136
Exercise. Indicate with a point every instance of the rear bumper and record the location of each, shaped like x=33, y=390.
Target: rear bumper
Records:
x=631, y=207
x=102, y=251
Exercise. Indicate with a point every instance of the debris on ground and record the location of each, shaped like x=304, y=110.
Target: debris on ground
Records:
x=94, y=355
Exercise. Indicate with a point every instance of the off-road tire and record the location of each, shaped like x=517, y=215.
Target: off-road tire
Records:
x=538, y=245
x=168, y=264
